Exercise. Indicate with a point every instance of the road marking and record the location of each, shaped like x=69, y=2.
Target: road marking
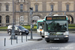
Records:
x=22, y=44
x=71, y=46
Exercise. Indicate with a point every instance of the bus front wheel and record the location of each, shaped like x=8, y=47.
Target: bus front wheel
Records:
x=41, y=35
x=47, y=41
x=66, y=40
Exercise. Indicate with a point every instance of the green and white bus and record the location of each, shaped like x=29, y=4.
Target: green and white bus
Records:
x=56, y=28
x=40, y=27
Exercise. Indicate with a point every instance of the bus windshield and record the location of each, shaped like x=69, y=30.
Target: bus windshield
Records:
x=40, y=25
x=58, y=26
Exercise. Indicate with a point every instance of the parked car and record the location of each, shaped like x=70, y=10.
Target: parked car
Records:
x=18, y=30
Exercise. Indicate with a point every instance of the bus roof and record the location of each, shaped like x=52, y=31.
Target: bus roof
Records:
x=56, y=15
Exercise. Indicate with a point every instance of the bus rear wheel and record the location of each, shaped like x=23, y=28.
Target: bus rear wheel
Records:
x=66, y=40
x=47, y=41
x=41, y=35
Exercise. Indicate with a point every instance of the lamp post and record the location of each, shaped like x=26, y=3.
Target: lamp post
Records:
x=13, y=32
x=51, y=12
x=31, y=12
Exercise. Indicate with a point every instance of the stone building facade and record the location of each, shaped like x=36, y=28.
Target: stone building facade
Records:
x=41, y=8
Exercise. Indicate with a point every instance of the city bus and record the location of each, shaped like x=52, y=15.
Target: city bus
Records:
x=56, y=28
x=40, y=27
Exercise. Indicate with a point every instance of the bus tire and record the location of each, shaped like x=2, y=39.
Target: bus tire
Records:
x=47, y=41
x=66, y=40
x=42, y=36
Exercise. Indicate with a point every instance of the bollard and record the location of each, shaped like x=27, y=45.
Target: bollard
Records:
x=21, y=38
x=4, y=41
x=11, y=41
x=26, y=38
x=17, y=40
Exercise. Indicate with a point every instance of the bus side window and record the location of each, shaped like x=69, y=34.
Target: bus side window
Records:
x=43, y=26
x=40, y=27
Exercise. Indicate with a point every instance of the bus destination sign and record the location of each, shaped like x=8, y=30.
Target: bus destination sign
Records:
x=49, y=18
x=56, y=18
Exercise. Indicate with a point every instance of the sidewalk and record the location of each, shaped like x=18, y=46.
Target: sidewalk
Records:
x=3, y=31
x=14, y=44
x=72, y=31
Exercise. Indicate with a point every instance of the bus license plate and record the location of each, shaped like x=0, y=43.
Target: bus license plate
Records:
x=56, y=38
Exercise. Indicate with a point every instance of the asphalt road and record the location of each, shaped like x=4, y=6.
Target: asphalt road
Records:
x=54, y=45
x=4, y=33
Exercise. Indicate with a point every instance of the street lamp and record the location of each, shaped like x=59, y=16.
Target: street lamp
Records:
x=31, y=12
x=13, y=32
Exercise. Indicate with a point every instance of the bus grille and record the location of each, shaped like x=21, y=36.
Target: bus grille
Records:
x=54, y=33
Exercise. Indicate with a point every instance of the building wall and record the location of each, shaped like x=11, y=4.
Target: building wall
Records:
x=4, y=13
x=44, y=8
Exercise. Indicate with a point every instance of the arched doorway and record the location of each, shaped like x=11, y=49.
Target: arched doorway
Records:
x=70, y=19
x=34, y=19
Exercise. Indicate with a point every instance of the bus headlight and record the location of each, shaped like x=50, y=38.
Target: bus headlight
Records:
x=66, y=36
x=46, y=36
x=66, y=33
x=46, y=33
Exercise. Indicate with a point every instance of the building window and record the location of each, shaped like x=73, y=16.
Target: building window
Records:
x=24, y=0
x=0, y=19
x=7, y=7
x=21, y=18
x=21, y=7
x=36, y=8
x=36, y=0
x=67, y=7
x=21, y=0
x=52, y=7
x=0, y=7
x=7, y=19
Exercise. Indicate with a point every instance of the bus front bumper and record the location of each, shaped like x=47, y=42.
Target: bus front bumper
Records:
x=62, y=37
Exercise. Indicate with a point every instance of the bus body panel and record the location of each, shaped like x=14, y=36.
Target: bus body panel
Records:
x=61, y=37
x=40, y=27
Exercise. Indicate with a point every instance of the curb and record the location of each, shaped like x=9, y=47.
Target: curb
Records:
x=35, y=39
